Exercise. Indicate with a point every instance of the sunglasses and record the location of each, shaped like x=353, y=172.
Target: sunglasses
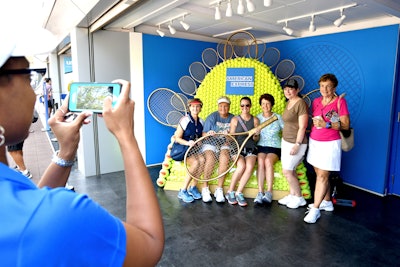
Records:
x=22, y=71
x=245, y=105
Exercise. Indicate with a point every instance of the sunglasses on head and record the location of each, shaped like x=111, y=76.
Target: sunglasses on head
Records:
x=245, y=105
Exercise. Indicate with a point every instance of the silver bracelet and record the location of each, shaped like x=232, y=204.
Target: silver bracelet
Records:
x=61, y=162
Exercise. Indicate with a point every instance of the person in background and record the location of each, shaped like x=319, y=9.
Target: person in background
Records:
x=17, y=154
x=325, y=152
x=294, y=142
x=69, y=229
x=189, y=129
x=50, y=99
x=269, y=149
x=217, y=122
x=247, y=159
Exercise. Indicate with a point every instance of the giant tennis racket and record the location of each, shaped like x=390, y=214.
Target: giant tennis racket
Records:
x=218, y=152
x=166, y=106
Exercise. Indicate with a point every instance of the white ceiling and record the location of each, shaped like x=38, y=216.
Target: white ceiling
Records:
x=145, y=15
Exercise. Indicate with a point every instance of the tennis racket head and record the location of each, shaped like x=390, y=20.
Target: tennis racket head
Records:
x=225, y=50
x=187, y=85
x=300, y=81
x=257, y=49
x=310, y=96
x=198, y=71
x=162, y=102
x=284, y=69
x=272, y=56
x=241, y=47
x=211, y=157
x=209, y=58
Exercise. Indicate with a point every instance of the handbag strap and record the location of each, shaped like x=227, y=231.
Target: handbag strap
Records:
x=338, y=102
x=242, y=123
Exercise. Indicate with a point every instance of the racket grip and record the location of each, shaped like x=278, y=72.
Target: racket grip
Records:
x=344, y=202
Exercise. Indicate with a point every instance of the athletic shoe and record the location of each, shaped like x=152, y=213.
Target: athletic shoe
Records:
x=194, y=192
x=27, y=174
x=184, y=195
x=205, y=194
x=267, y=198
x=240, y=200
x=296, y=202
x=285, y=200
x=219, y=195
x=312, y=216
x=325, y=205
x=259, y=198
x=230, y=196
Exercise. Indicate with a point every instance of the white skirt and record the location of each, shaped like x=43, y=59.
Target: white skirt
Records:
x=325, y=155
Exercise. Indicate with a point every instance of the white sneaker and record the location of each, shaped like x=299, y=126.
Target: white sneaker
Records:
x=312, y=216
x=205, y=195
x=219, y=195
x=296, y=202
x=285, y=200
x=325, y=205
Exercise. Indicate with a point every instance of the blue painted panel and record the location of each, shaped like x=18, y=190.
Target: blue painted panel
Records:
x=364, y=62
x=166, y=60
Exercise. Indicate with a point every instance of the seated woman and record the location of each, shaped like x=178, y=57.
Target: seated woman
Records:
x=189, y=129
x=269, y=148
x=247, y=159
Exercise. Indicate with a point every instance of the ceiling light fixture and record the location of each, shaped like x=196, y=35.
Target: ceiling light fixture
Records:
x=340, y=20
x=160, y=32
x=250, y=6
x=240, y=8
x=170, y=21
x=229, y=10
x=288, y=30
x=267, y=3
x=217, y=12
x=184, y=25
x=312, y=27
x=337, y=22
x=172, y=30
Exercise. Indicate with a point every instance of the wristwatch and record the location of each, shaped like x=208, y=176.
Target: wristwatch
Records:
x=328, y=125
x=61, y=162
x=298, y=144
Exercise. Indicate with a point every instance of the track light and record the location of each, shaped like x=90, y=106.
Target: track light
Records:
x=160, y=32
x=240, y=8
x=267, y=3
x=171, y=29
x=287, y=29
x=229, y=10
x=217, y=12
x=184, y=25
x=340, y=20
x=312, y=27
x=250, y=6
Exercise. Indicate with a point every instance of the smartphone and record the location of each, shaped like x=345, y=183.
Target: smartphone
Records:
x=90, y=96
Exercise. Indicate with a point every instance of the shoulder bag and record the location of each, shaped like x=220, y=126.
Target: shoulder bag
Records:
x=347, y=136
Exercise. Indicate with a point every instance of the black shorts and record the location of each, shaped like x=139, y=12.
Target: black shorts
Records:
x=249, y=151
x=268, y=149
x=16, y=147
x=50, y=103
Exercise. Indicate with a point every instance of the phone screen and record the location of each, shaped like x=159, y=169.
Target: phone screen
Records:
x=90, y=96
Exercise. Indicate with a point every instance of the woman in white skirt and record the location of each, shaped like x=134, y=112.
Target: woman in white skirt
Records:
x=324, y=152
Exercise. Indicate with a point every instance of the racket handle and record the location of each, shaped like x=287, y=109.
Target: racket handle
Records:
x=344, y=202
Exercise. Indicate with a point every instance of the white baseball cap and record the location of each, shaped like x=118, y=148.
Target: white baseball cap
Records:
x=24, y=41
x=223, y=99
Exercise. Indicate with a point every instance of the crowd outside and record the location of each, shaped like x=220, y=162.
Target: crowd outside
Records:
x=330, y=115
x=189, y=129
x=294, y=142
x=247, y=158
x=269, y=149
x=216, y=122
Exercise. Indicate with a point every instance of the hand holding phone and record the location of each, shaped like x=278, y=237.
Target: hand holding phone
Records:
x=90, y=96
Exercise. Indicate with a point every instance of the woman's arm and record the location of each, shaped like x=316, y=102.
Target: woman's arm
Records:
x=144, y=226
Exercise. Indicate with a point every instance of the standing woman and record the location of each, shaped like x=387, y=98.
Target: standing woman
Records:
x=294, y=142
x=325, y=151
x=247, y=158
x=269, y=148
x=189, y=129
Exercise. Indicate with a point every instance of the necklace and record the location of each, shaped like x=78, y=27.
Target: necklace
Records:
x=328, y=102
